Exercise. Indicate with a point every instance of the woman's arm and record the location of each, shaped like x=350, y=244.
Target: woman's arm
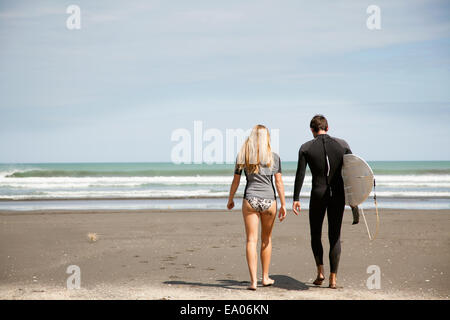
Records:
x=233, y=189
x=280, y=189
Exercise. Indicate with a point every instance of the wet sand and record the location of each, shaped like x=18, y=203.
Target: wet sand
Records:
x=200, y=255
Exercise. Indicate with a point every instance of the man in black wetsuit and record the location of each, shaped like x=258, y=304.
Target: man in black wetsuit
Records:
x=324, y=156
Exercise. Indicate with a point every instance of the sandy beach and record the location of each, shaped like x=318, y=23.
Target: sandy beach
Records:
x=200, y=255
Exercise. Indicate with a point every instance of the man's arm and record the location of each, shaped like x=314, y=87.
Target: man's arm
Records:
x=344, y=145
x=355, y=210
x=347, y=148
x=300, y=174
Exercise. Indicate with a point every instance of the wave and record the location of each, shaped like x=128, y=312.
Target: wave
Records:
x=436, y=181
x=137, y=179
x=169, y=169
x=173, y=171
x=10, y=173
x=151, y=181
x=201, y=177
x=201, y=193
x=144, y=194
x=82, y=173
x=186, y=204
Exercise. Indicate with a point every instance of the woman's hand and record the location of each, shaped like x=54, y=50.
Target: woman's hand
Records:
x=280, y=188
x=233, y=188
x=282, y=213
x=230, y=204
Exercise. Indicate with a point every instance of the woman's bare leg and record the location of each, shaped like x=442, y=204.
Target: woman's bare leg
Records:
x=251, y=220
x=267, y=222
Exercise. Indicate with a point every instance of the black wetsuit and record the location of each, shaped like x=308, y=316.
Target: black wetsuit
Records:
x=324, y=156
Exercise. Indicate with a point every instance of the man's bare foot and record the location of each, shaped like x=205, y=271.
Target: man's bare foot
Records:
x=267, y=282
x=319, y=280
x=332, y=284
x=320, y=276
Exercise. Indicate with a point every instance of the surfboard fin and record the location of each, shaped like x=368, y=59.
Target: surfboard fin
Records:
x=355, y=212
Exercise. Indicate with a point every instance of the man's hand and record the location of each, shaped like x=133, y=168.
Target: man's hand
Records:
x=296, y=207
x=282, y=213
x=230, y=204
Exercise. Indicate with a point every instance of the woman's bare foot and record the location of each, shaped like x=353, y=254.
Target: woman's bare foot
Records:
x=252, y=286
x=268, y=282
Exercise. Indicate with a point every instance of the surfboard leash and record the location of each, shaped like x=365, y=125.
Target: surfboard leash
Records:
x=377, y=228
x=376, y=209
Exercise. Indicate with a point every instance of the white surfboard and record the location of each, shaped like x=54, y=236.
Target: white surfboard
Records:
x=358, y=183
x=358, y=179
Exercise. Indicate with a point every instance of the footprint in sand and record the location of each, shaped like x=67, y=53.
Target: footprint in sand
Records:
x=215, y=247
x=144, y=261
x=169, y=258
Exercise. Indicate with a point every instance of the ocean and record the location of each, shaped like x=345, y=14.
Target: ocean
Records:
x=71, y=186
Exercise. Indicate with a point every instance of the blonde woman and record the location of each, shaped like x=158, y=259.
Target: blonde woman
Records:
x=260, y=164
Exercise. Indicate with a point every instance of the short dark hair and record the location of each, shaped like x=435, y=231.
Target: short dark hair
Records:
x=319, y=122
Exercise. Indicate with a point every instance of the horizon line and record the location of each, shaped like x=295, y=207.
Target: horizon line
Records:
x=192, y=163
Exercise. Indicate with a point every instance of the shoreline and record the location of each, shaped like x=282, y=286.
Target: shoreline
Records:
x=201, y=197
x=197, y=204
x=113, y=211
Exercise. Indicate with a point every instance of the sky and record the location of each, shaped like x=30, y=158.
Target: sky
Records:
x=136, y=71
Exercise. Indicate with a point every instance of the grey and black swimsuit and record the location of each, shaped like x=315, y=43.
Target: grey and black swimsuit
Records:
x=259, y=190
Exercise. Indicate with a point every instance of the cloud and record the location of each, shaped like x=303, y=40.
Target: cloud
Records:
x=255, y=27
x=25, y=13
x=160, y=64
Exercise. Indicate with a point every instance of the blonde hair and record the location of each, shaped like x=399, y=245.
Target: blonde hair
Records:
x=256, y=150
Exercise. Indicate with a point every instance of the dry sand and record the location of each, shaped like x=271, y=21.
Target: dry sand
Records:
x=200, y=255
